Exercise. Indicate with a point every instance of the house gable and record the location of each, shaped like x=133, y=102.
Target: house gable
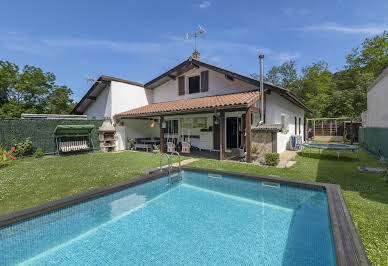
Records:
x=168, y=81
x=216, y=84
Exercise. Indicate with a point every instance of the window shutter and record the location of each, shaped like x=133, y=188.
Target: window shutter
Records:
x=181, y=85
x=204, y=81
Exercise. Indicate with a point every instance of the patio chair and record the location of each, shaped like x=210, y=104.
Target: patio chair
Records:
x=170, y=147
x=186, y=146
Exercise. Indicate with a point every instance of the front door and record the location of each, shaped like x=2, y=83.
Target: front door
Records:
x=233, y=135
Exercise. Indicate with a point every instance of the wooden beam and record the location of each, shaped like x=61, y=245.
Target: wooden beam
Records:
x=255, y=109
x=248, y=135
x=91, y=98
x=161, y=148
x=171, y=76
x=222, y=136
x=229, y=77
x=195, y=65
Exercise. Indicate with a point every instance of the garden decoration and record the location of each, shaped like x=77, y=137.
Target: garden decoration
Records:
x=5, y=155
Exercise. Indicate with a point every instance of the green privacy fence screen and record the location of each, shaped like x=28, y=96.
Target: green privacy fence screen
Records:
x=41, y=131
x=374, y=140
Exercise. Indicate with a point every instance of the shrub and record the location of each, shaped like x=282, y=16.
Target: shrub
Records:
x=38, y=153
x=255, y=148
x=22, y=148
x=271, y=158
x=156, y=147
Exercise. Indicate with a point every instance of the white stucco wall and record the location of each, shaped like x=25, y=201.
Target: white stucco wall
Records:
x=125, y=97
x=277, y=105
x=218, y=84
x=377, y=113
x=115, y=98
x=102, y=107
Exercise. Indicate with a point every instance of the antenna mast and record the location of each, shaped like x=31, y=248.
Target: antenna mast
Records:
x=195, y=35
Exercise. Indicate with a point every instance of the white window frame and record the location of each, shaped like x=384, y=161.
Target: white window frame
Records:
x=285, y=121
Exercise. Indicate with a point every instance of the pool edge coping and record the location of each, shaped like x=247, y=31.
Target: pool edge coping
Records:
x=349, y=249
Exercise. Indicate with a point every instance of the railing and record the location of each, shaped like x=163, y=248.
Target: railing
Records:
x=179, y=159
x=170, y=162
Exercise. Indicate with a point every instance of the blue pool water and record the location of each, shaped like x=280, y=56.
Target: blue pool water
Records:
x=202, y=220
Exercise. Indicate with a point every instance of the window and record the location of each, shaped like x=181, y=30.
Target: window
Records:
x=172, y=126
x=300, y=121
x=285, y=123
x=295, y=124
x=199, y=122
x=194, y=86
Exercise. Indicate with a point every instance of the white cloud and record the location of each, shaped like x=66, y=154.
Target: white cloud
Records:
x=363, y=29
x=204, y=4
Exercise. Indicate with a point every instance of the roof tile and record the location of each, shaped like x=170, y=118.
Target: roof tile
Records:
x=243, y=98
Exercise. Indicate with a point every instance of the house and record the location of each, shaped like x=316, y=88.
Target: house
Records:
x=374, y=131
x=210, y=107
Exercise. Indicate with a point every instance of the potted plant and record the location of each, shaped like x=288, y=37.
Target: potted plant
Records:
x=130, y=143
x=255, y=150
x=156, y=148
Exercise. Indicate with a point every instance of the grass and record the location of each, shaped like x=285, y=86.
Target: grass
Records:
x=366, y=194
x=29, y=182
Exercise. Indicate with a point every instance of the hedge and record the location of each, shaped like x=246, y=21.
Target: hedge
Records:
x=375, y=140
x=41, y=131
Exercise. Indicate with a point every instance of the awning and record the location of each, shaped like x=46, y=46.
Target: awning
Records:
x=73, y=130
x=227, y=101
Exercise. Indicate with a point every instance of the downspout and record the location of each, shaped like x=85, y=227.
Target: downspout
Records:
x=262, y=115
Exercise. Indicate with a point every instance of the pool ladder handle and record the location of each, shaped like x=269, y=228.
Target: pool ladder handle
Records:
x=169, y=160
x=179, y=159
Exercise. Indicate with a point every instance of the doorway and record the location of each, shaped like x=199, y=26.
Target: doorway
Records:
x=233, y=132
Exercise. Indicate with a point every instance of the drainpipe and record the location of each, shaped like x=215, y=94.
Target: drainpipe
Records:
x=261, y=57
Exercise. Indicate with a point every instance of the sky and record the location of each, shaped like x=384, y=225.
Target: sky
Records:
x=138, y=40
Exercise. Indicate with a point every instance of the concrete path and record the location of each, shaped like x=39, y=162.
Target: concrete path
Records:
x=184, y=162
x=285, y=159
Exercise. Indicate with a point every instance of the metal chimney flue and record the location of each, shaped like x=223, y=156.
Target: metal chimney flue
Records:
x=261, y=57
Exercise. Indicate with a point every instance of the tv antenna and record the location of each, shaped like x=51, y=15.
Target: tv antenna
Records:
x=92, y=80
x=195, y=35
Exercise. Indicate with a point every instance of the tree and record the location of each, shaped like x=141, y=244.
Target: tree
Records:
x=372, y=56
x=284, y=76
x=31, y=90
x=8, y=73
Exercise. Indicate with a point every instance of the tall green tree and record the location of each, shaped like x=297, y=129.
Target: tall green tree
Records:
x=284, y=75
x=31, y=90
x=8, y=74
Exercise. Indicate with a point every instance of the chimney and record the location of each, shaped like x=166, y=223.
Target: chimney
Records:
x=196, y=55
x=261, y=57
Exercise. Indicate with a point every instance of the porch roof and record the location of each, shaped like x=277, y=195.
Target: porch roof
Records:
x=226, y=101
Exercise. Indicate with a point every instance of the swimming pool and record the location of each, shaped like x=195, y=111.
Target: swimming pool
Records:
x=203, y=218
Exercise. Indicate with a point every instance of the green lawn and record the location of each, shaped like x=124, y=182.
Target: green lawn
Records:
x=29, y=182
x=366, y=194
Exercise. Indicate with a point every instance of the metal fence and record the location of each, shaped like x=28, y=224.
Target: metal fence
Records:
x=375, y=140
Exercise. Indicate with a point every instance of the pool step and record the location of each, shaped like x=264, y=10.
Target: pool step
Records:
x=270, y=184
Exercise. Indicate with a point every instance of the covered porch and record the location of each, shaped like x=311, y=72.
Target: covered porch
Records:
x=217, y=127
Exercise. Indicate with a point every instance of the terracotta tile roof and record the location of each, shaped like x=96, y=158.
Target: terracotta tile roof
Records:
x=243, y=99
